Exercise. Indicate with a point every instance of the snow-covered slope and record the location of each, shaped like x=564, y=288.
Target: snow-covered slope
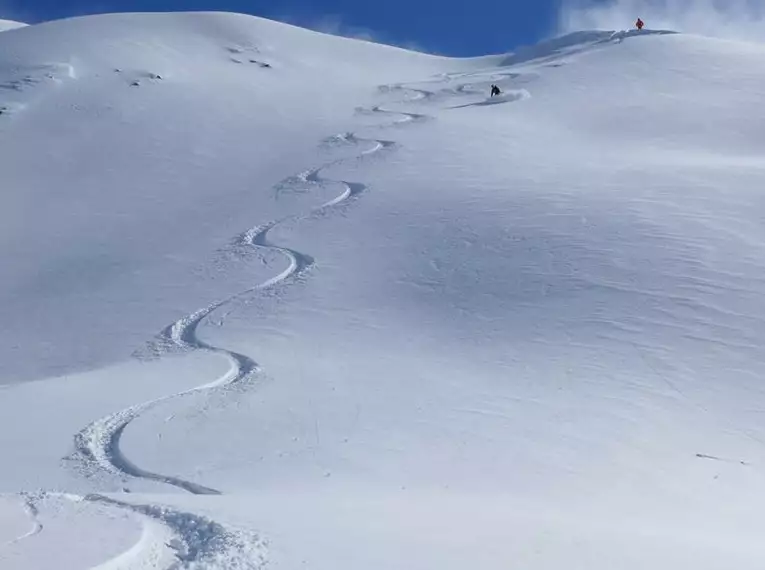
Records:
x=180, y=102
x=376, y=318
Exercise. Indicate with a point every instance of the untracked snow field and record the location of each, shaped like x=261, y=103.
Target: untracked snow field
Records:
x=277, y=299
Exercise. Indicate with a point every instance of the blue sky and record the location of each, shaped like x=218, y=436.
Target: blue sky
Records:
x=453, y=27
x=449, y=27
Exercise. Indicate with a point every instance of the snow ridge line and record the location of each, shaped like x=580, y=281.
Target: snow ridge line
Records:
x=97, y=446
x=197, y=541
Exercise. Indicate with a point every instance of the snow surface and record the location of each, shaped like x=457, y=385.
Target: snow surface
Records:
x=273, y=298
x=6, y=25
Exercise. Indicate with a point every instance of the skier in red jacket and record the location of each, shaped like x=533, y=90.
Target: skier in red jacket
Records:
x=639, y=24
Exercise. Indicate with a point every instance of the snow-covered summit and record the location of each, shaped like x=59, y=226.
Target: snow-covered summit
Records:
x=302, y=301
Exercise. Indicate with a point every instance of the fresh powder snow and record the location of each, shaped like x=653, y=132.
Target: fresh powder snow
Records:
x=278, y=299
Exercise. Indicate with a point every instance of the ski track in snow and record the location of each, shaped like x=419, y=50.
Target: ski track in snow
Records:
x=97, y=446
x=186, y=539
x=189, y=540
x=506, y=97
x=30, y=509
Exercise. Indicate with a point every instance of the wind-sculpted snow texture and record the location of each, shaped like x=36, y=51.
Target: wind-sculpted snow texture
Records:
x=402, y=324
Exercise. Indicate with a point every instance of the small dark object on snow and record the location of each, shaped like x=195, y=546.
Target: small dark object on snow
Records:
x=639, y=24
x=135, y=84
x=705, y=456
x=495, y=90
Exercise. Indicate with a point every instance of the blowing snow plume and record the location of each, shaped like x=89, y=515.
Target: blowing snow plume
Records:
x=729, y=18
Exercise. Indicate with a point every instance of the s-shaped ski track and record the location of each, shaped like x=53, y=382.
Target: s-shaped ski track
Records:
x=97, y=446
